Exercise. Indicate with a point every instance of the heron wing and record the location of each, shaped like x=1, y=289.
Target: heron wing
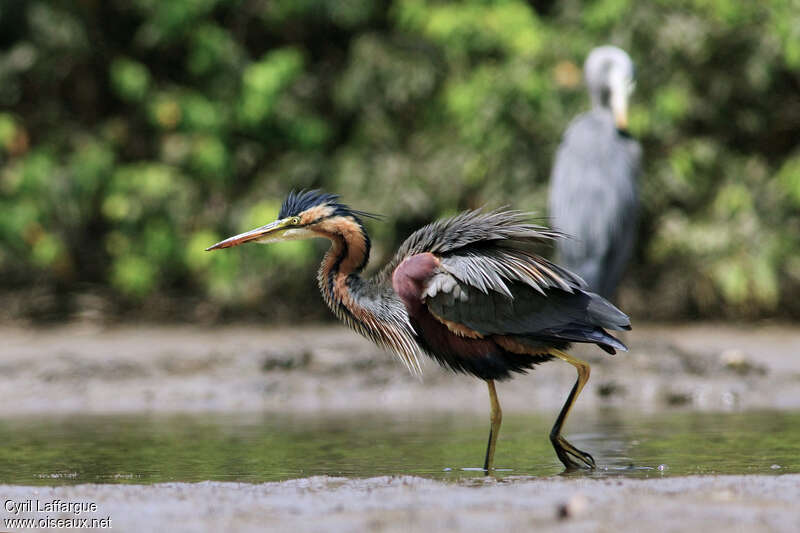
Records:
x=486, y=280
x=494, y=237
x=485, y=295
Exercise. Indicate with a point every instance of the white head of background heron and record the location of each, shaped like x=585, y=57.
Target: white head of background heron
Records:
x=610, y=77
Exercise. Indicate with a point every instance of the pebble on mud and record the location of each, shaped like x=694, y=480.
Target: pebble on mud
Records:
x=577, y=505
x=273, y=361
x=610, y=389
x=738, y=361
x=676, y=398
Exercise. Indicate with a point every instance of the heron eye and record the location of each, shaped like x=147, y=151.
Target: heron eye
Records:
x=295, y=221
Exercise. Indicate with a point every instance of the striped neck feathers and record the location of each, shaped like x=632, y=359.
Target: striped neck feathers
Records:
x=371, y=309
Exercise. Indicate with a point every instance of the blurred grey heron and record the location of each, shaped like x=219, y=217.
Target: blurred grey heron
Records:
x=469, y=291
x=593, y=193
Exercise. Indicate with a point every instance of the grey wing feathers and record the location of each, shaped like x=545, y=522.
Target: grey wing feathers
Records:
x=476, y=228
x=492, y=269
x=527, y=313
x=575, y=316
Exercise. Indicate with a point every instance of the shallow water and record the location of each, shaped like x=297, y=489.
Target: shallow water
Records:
x=269, y=447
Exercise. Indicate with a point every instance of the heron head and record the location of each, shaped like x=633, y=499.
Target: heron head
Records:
x=303, y=215
x=610, y=76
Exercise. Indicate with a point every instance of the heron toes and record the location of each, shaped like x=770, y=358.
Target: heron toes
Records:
x=586, y=461
x=567, y=454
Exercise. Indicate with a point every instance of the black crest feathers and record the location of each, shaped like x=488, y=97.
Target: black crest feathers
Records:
x=298, y=201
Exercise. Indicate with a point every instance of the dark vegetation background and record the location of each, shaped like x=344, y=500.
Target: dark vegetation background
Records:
x=134, y=133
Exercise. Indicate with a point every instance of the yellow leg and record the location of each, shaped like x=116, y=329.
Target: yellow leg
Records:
x=567, y=453
x=496, y=418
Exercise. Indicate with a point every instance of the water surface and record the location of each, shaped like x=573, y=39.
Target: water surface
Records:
x=269, y=447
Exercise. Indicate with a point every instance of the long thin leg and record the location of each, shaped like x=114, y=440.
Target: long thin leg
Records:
x=566, y=451
x=497, y=418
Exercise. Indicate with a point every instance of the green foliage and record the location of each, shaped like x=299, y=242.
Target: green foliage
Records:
x=133, y=135
x=133, y=275
x=789, y=180
x=129, y=79
x=507, y=27
x=8, y=130
x=263, y=81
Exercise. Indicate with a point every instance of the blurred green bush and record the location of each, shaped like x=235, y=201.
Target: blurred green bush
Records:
x=135, y=133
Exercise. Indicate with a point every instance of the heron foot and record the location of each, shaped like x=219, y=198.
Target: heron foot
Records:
x=567, y=454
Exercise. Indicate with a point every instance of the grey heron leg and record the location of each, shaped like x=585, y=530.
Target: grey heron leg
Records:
x=566, y=452
x=496, y=418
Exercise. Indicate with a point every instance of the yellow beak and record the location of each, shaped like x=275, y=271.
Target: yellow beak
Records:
x=269, y=233
x=620, y=92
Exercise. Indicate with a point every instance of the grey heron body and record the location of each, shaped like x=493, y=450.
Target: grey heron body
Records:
x=593, y=192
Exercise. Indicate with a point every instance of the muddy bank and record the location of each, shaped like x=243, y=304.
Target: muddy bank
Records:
x=176, y=369
x=81, y=370
x=387, y=504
